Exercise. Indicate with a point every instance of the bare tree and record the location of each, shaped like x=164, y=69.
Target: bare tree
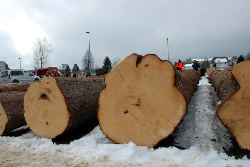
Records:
x=88, y=61
x=115, y=61
x=41, y=51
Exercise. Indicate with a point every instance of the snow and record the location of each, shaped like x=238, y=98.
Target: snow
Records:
x=188, y=66
x=94, y=149
x=220, y=60
x=201, y=126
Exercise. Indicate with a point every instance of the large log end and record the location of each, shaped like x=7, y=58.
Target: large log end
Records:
x=140, y=102
x=45, y=109
x=235, y=111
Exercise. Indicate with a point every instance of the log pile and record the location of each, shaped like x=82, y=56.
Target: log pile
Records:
x=144, y=100
x=57, y=106
x=233, y=88
x=14, y=87
x=11, y=111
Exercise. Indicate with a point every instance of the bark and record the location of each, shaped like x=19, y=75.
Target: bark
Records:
x=234, y=91
x=186, y=82
x=224, y=83
x=11, y=111
x=57, y=106
x=144, y=100
x=18, y=87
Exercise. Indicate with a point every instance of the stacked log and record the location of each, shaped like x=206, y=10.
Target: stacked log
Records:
x=11, y=111
x=14, y=87
x=144, y=100
x=57, y=106
x=233, y=88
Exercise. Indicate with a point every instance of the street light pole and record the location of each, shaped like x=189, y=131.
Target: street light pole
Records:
x=88, y=51
x=168, y=49
x=20, y=63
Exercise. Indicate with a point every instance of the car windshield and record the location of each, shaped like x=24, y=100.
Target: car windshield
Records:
x=13, y=73
x=27, y=73
x=4, y=74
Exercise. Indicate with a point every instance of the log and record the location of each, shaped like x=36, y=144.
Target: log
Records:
x=141, y=101
x=11, y=111
x=57, y=106
x=224, y=83
x=234, y=92
x=14, y=87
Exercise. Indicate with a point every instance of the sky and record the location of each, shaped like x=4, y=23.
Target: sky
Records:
x=194, y=28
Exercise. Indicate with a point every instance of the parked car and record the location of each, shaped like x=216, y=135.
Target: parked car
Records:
x=49, y=71
x=16, y=76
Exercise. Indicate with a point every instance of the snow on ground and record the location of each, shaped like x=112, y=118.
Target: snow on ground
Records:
x=95, y=149
x=201, y=126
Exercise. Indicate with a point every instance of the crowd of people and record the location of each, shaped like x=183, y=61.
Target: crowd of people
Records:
x=196, y=65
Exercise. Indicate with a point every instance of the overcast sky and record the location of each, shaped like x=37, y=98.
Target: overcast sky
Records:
x=195, y=28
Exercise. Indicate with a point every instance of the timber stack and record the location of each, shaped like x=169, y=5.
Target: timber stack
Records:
x=15, y=87
x=144, y=100
x=233, y=89
x=11, y=111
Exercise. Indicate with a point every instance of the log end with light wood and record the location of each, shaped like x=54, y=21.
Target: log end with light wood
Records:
x=140, y=102
x=59, y=105
x=235, y=111
x=45, y=108
x=3, y=119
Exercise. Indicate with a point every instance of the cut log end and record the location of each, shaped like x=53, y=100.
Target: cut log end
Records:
x=3, y=119
x=235, y=111
x=45, y=109
x=139, y=101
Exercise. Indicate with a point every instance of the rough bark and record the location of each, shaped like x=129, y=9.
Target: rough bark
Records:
x=224, y=83
x=18, y=87
x=144, y=100
x=57, y=106
x=234, y=91
x=11, y=111
x=186, y=81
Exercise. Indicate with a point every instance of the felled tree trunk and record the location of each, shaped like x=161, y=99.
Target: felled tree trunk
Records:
x=234, y=92
x=11, y=111
x=56, y=106
x=18, y=87
x=144, y=100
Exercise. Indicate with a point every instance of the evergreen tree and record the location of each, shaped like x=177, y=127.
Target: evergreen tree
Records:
x=75, y=69
x=106, y=65
x=67, y=71
x=6, y=66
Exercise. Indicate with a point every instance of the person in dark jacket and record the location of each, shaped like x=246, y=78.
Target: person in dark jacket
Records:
x=240, y=59
x=196, y=65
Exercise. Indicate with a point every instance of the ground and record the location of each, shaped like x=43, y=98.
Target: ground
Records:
x=200, y=132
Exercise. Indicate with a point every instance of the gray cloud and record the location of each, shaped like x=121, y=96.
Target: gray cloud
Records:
x=195, y=28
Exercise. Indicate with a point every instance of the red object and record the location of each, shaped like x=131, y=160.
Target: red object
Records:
x=49, y=71
x=180, y=65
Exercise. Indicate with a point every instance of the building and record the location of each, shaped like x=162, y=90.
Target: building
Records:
x=3, y=66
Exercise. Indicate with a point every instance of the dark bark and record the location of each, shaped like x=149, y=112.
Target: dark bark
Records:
x=19, y=87
x=224, y=83
x=13, y=106
x=81, y=97
x=186, y=82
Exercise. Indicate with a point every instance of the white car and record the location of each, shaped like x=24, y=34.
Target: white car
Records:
x=16, y=76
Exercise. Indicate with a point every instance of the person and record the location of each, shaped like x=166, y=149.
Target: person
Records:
x=240, y=59
x=179, y=65
x=196, y=65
